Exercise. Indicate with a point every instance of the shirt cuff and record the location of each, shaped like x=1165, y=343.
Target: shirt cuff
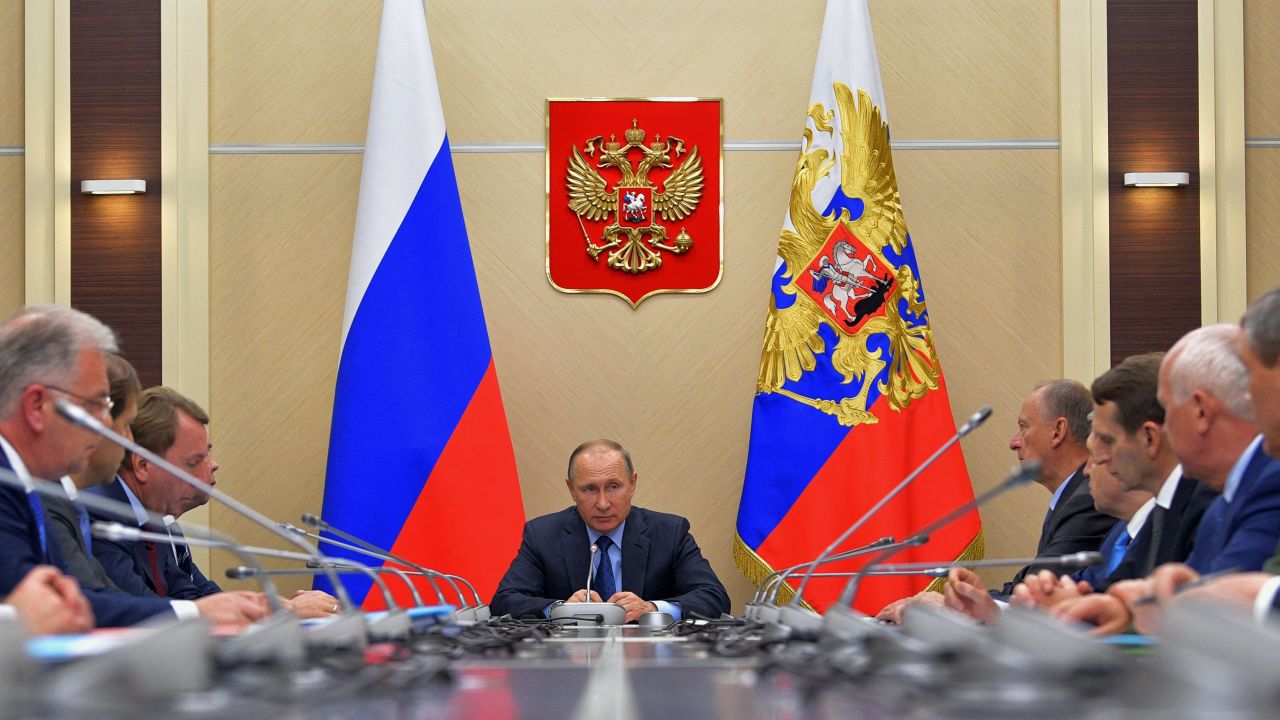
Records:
x=1265, y=600
x=185, y=609
x=8, y=612
x=675, y=611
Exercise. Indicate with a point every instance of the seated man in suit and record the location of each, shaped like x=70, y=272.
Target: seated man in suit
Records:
x=176, y=428
x=1259, y=346
x=964, y=591
x=48, y=353
x=1053, y=427
x=647, y=562
x=1204, y=388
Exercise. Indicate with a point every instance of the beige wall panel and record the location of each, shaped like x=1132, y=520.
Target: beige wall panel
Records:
x=280, y=241
x=1261, y=69
x=290, y=71
x=1262, y=250
x=12, y=235
x=990, y=263
x=298, y=70
x=12, y=68
x=964, y=69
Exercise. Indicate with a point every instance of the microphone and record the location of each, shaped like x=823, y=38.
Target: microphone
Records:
x=79, y=416
x=769, y=581
x=413, y=590
x=975, y=420
x=1021, y=475
x=373, y=552
x=395, y=625
x=479, y=612
x=588, y=612
x=1071, y=560
x=591, y=569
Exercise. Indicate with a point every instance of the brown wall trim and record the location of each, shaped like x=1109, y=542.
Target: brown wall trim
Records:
x=115, y=133
x=1152, y=84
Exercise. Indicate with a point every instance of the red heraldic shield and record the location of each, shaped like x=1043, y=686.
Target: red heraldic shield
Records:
x=634, y=193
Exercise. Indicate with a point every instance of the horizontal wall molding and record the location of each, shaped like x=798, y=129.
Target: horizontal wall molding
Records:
x=11, y=150
x=537, y=147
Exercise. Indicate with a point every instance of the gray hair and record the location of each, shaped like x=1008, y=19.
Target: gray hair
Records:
x=1064, y=398
x=1261, y=323
x=1207, y=359
x=41, y=343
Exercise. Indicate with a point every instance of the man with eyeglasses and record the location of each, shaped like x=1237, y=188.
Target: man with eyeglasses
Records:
x=647, y=560
x=48, y=352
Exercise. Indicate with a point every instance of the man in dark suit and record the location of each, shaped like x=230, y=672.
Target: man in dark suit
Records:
x=46, y=353
x=1053, y=426
x=647, y=560
x=1204, y=388
x=176, y=428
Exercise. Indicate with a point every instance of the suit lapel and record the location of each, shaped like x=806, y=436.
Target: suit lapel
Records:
x=575, y=550
x=635, y=553
x=1060, y=513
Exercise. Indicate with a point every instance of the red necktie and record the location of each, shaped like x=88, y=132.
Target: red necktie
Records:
x=157, y=579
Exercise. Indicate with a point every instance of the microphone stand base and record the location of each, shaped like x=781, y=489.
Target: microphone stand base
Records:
x=276, y=641
x=346, y=632
x=590, y=614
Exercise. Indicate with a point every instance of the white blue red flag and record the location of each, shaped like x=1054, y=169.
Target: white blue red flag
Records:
x=420, y=457
x=850, y=395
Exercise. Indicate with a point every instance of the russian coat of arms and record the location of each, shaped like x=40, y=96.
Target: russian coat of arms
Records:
x=633, y=207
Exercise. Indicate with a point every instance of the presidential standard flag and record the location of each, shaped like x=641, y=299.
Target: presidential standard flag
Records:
x=850, y=396
x=420, y=457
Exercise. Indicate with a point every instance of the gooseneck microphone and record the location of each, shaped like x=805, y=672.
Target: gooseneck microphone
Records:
x=771, y=580
x=1081, y=559
x=975, y=420
x=591, y=569
x=81, y=417
x=1020, y=476
x=323, y=525
x=404, y=577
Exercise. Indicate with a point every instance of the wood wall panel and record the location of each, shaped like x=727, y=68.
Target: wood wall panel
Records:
x=990, y=265
x=12, y=236
x=12, y=68
x=298, y=71
x=1261, y=69
x=115, y=133
x=280, y=229
x=1262, y=253
x=12, y=182
x=1153, y=127
x=675, y=379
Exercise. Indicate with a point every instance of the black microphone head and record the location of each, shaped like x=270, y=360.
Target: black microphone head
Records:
x=915, y=541
x=975, y=420
x=1028, y=471
x=241, y=572
x=312, y=520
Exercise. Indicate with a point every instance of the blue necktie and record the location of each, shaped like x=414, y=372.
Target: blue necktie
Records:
x=1117, y=552
x=37, y=509
x=604, y=584
x=85, y=532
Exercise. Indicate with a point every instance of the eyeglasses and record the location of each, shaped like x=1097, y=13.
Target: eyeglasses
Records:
x=102, y=405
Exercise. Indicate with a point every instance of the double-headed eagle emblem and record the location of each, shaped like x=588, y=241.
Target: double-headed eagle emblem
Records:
x=846, y=271
x=635, y=239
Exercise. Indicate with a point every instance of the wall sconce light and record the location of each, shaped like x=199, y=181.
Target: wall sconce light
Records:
x=113, y=187
x=1156, y=179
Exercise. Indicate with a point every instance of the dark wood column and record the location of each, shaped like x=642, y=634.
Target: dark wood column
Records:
x=1153, y=89
x=115, y=134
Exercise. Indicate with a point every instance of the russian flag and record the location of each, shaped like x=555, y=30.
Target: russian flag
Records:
x=420, y=457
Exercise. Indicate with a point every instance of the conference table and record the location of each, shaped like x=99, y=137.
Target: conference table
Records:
x=726, y=669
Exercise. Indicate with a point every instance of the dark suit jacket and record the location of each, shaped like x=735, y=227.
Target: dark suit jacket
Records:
x=1132, y=565
x=20, y=552
x=1242, y=534
x=127, y=564
x=1182, y=520
x=660, y=561
x=65, y=524
x=1074, y=526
